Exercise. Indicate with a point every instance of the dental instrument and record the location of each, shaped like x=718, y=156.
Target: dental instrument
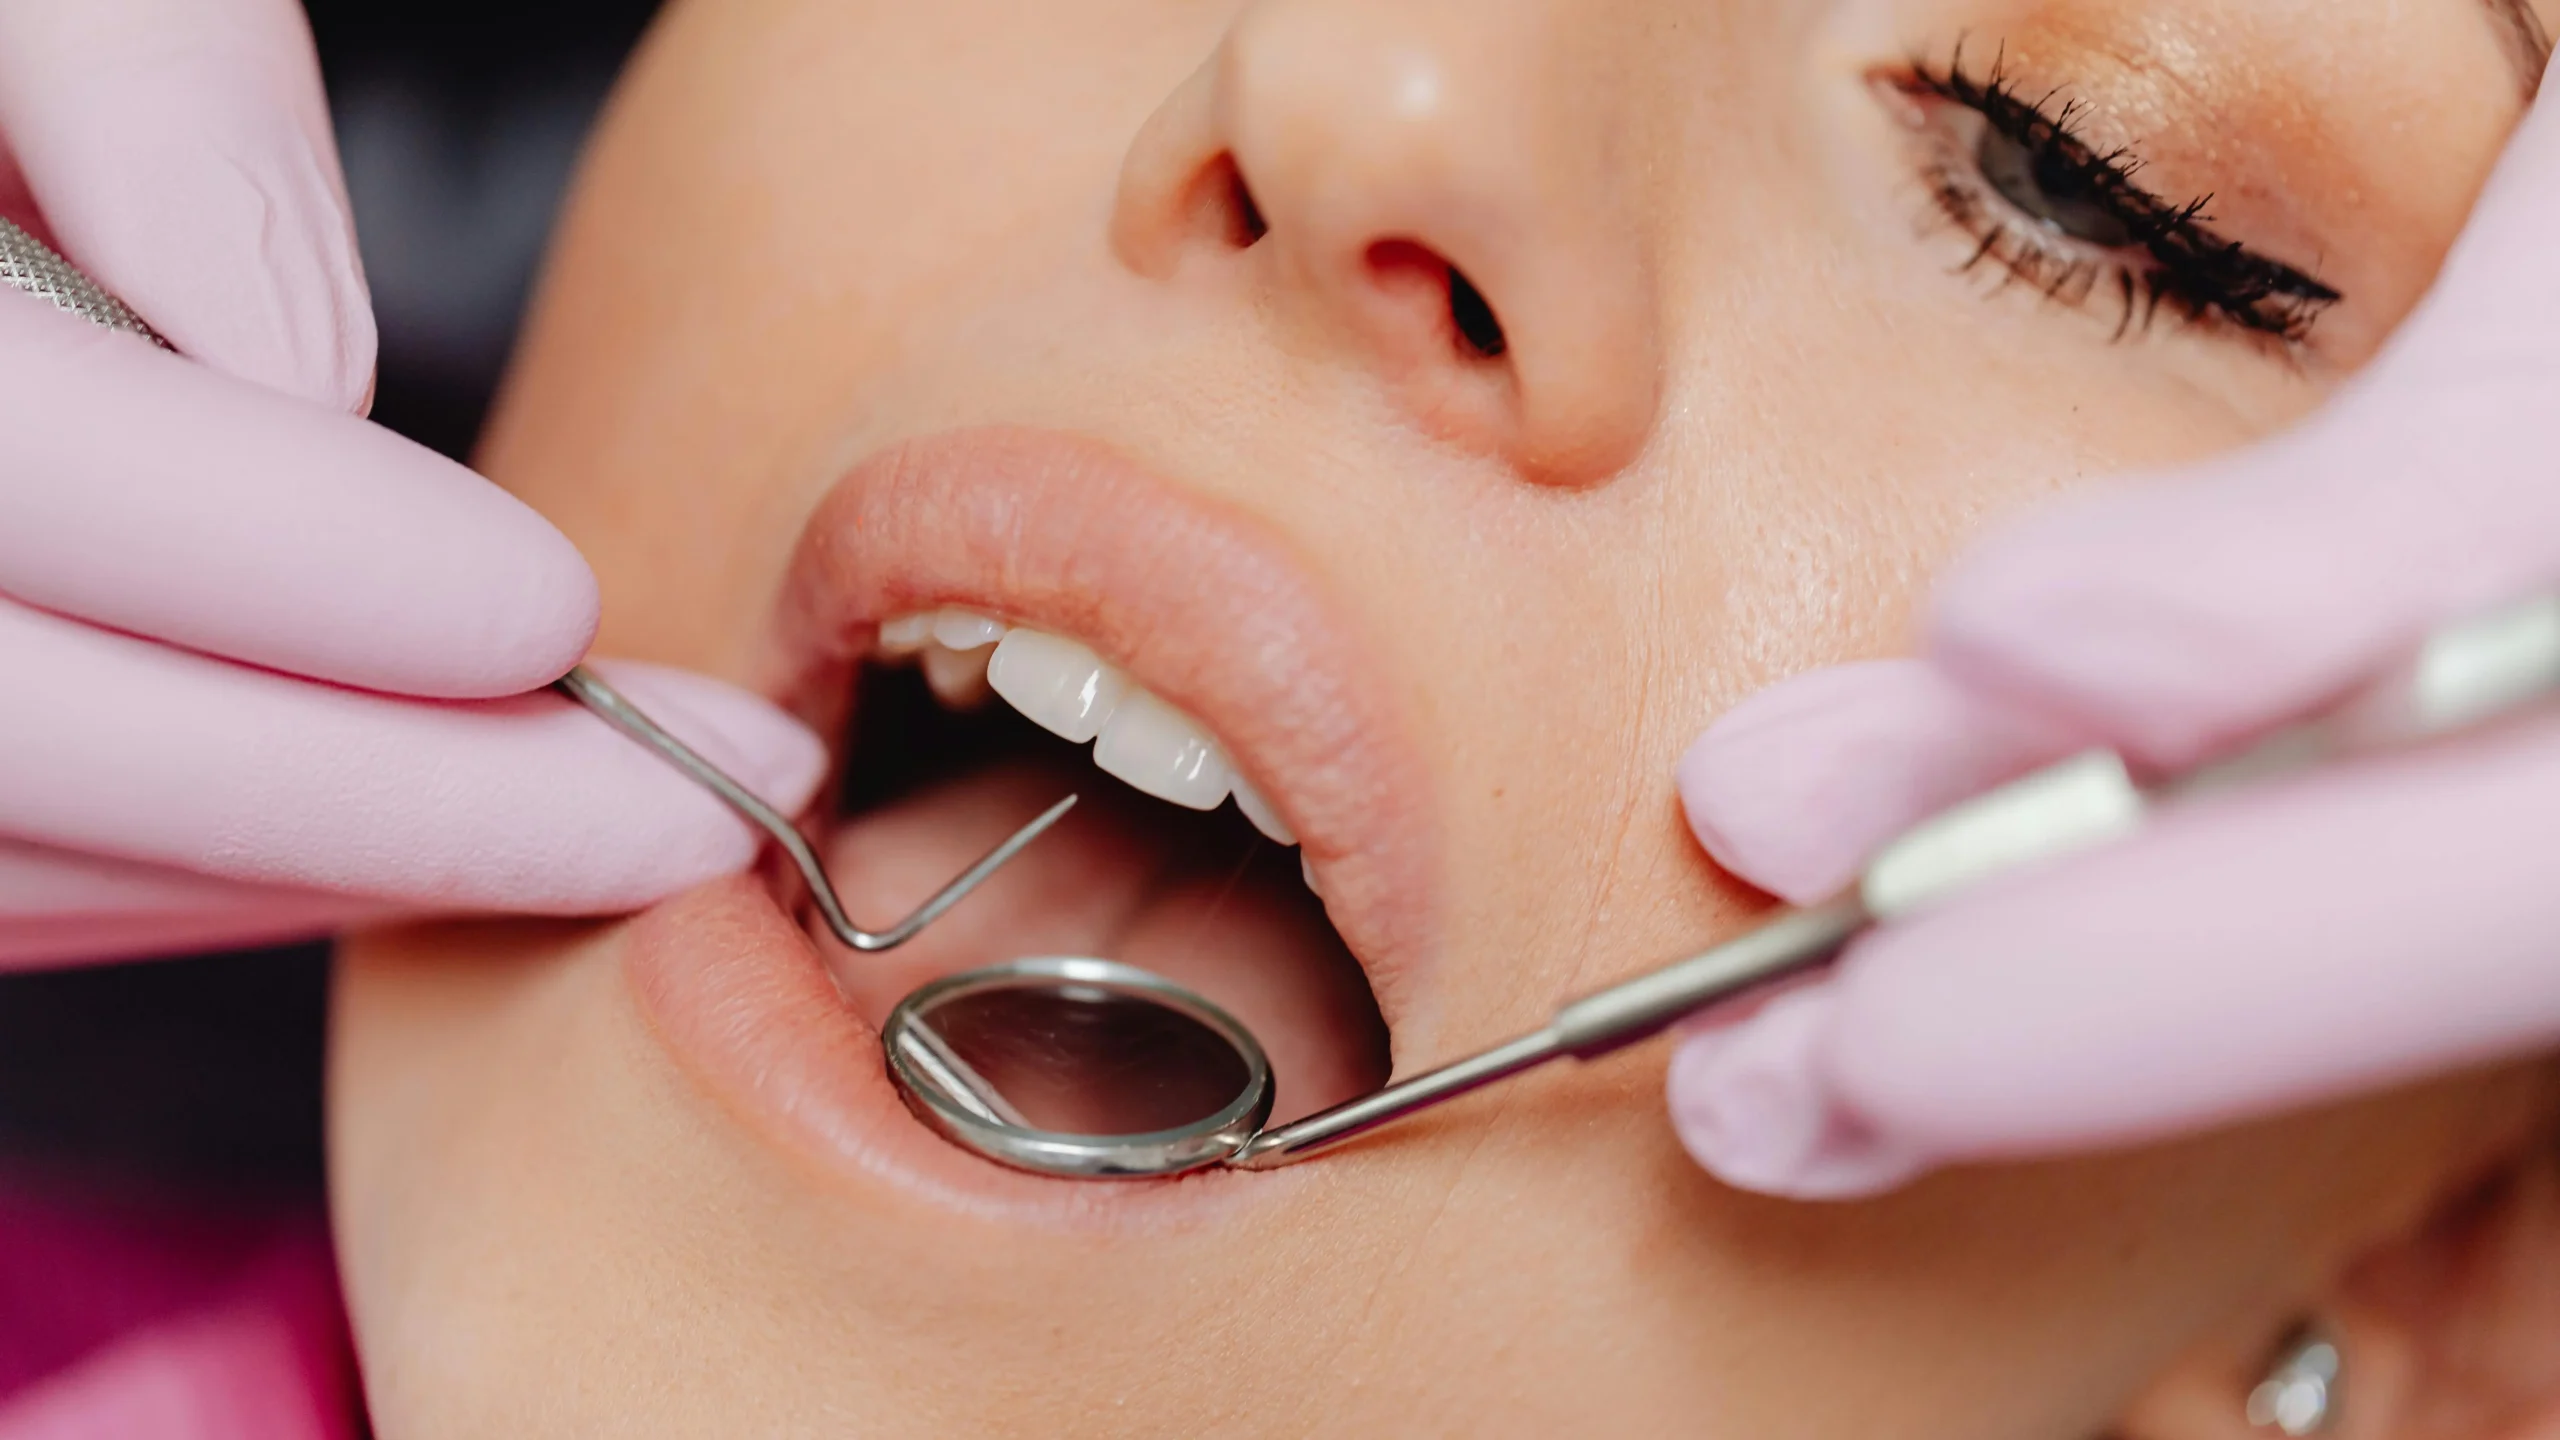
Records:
x=584, y=686
x=30, y=265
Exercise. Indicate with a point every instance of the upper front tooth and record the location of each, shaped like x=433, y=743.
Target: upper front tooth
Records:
x=905, y=635
x=1259, y=811
x=1164, y=752
x=966, y=630
x=1057, y=682
x=958, y=677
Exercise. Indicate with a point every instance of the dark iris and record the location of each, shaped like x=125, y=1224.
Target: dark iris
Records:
x=2048, y=186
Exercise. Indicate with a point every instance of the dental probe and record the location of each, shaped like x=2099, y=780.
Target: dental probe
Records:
x=2465, y=676
x=582, y=685
x=29, y=264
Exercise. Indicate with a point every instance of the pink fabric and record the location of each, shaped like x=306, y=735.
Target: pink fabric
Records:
x=121, y=1322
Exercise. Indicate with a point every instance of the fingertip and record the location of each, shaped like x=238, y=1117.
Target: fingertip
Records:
x=1752, y=787
x=1749, y=819
x=541, y=606
x=756, y=742
x=668, y=832
x=543, y=808
x=250, y=526
x=1751, y=1105
x=1795, y=787
x=504, y=602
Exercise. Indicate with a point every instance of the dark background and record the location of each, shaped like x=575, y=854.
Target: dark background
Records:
x=458, y=121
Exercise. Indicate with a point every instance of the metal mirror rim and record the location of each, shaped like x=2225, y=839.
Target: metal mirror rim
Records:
x=1154, y=1153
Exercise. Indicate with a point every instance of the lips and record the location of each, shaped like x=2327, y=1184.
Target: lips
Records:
x=1194, y=606
x=1196, y=602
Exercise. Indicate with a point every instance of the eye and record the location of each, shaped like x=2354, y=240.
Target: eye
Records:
x=2050, y=191
x=2072, y=222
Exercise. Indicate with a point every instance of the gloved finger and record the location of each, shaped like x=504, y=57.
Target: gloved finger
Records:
x=1741, y=1105
x=1794, y=788
x=154, y=495
x=2340, y=932
x=2173, y=617
x=58, y=907
x=180, y=151
x=122, y=747
x=61, y=907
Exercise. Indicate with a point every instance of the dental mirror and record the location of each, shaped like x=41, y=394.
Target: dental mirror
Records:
x=1078, y=1067
x=1094, y=1070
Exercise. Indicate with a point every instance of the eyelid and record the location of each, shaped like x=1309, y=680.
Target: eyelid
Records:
x=2177, y=261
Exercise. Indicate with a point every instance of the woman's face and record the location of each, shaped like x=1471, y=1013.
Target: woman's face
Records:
x=1444, y=408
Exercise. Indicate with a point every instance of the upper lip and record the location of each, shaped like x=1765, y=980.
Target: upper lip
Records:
x=1198, y=602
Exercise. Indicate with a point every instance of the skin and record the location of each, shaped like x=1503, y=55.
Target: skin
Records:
x=1744, y=409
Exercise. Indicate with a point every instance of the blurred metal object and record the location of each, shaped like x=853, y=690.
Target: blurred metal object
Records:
x=29, y=264
x=2300, y=1394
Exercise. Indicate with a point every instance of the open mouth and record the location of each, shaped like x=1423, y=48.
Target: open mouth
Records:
x=1172, y=860
x=991, y=619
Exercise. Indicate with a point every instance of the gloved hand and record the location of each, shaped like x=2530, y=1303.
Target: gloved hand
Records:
x=157, y=512
x=2344, y=930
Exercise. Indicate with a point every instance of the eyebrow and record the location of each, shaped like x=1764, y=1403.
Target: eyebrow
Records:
x=2527, y=44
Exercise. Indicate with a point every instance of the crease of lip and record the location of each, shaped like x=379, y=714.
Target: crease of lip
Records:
x=1199, y=603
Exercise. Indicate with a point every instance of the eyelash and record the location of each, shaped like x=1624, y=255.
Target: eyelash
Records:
x=2171, y=257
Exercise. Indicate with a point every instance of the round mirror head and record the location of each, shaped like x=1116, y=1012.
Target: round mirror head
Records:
x=1078, y=1067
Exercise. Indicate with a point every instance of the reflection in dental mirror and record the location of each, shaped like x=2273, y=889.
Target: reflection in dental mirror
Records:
x=1044, y=1063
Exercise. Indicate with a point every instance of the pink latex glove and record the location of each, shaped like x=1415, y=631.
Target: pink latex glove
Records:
x=2341, y=931
x=251, y=646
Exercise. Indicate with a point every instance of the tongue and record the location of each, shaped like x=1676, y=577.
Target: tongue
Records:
x=1124, y=878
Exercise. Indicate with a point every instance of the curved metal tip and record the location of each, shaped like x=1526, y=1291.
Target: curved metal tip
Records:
x=585, y=687
x=950, y=894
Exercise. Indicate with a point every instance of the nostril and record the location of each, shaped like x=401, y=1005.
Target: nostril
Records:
x=1211, y=211
x=1474, y=317
x=1415, y=271
x=1226, y=205
x=1249, y=226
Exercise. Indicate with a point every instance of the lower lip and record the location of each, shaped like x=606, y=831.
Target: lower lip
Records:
x=740, y=996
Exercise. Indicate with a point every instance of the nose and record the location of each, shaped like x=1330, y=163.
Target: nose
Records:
x=1427, y=187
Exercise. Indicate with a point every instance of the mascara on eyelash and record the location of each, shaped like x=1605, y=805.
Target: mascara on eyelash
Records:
x=2185, y=264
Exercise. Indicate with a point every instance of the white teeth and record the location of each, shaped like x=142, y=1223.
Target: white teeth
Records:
x=1067, y=689
x=905, y=635
x=965, y=630
x=1307, y=872
x=1163, y=752
x=1060, y=684
x=1259, y=811
x=958, y=677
